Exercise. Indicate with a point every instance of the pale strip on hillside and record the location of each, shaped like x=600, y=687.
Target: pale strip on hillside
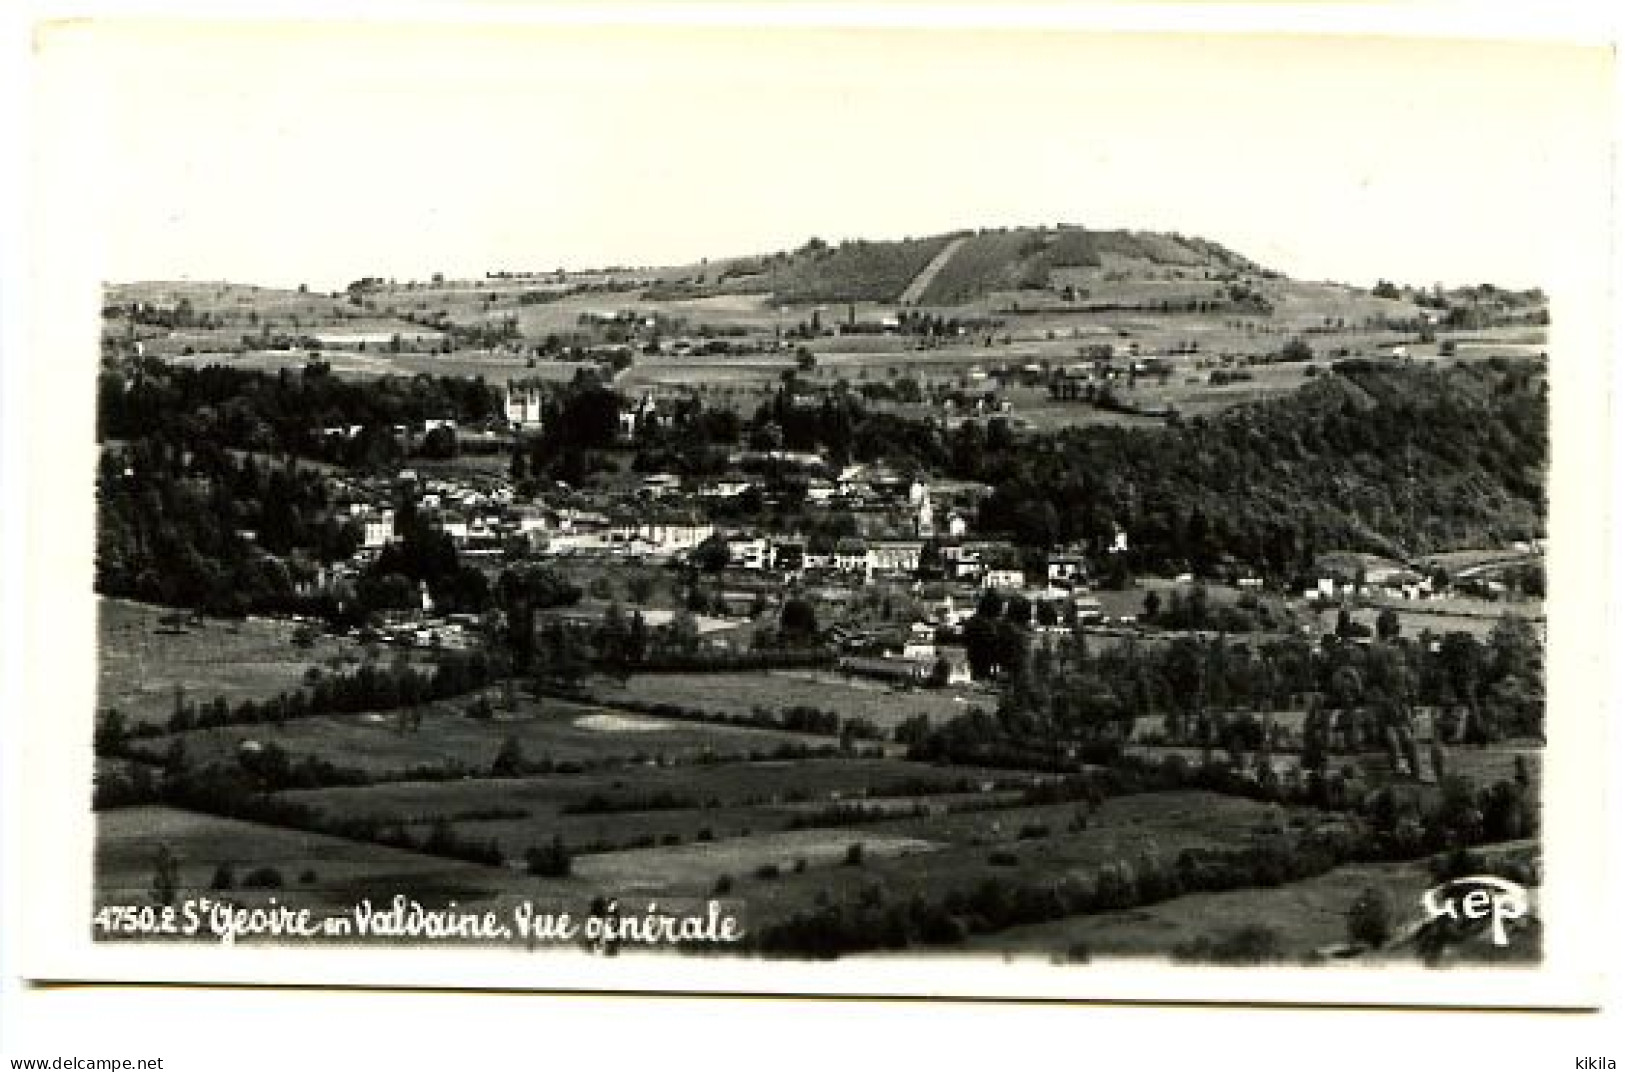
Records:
x=916, y=290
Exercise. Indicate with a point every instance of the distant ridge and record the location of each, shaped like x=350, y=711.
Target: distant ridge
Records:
x=959, y=267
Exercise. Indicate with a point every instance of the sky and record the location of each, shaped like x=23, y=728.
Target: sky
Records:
x=322, y=152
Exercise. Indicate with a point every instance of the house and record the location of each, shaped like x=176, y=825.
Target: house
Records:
x=675, y=535
x=522, y=403
x=852, y=556
x=645, y=411
x=1089, y=610
x=894, y=556
x=1067, y=569
x=921, y=643
x=659, y=485
x=378, y=529
x=750, y=552
x=1004, y=579
x=958, y=664
x=725, y=489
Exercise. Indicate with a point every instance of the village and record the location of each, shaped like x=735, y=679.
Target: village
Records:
x=905, y=531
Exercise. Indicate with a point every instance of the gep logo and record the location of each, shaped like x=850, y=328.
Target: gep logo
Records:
x=1475, y=897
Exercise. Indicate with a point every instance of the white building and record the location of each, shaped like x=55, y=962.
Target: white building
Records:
x=378, y=529
x=754, y=553
x=893, y=556
x=1004, y=579
x=522, y=403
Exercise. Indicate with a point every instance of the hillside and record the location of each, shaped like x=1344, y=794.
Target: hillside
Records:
x=1384, y=459
x=980, y=265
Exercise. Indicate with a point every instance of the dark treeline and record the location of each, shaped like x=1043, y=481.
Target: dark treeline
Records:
x=174, y=525
x=245, y=790
x=203, y=529
x=1217, y=692
x=1383, y=458
x=368, y=688
x=1387, y=460
x=283, y=412
x=1381, y=828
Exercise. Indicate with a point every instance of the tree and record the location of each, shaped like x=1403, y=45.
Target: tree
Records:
x=1387, y=624
x=165, y=876
x=110, y=730
x=510, y=759
x=712, y=555
x=1370, y=919
x=549, y=861
x=639, y=587
x=798, y=621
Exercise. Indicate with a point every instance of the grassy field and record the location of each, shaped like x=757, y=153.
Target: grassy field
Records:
x=740, y=693
x=694, y=869
x=324, y=870
x=1478, y=617
x=1308, y=917
x=141, y=662
x=495, y=367
x=722, y=802
x=1121, y=829
x=556, y=730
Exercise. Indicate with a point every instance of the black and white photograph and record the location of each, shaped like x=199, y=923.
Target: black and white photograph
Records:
x=1072, y=512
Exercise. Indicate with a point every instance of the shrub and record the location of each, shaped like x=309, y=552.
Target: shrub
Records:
x=1003, y=858
x=549, y=861
x=263, y=878
x=724, y=886
x=1370, y=919
x=1030, y=831
x=1077, y=953
x=1250, y=944
x=768, y=871
x=308, y=877
x=224, y=878
x=854, y=854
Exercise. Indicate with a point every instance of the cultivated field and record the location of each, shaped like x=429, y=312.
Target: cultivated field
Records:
x=652, y=806
x=313, y=868
x=978, y=846
x=739, y=694
x=555, y=730
x=141, y=660
x=1308, y=917
x=351, y=364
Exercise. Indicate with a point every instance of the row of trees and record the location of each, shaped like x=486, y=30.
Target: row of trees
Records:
x=1381, y=830
x=1063, y=696
x=282, y=412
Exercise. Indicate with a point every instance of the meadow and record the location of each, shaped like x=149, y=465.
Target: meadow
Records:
x=545, y=730
x=1308, y=917
x=739, y=694
x=142, y=660
x=314, y=869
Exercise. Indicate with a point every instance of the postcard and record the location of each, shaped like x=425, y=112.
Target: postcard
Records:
x=546, y=503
